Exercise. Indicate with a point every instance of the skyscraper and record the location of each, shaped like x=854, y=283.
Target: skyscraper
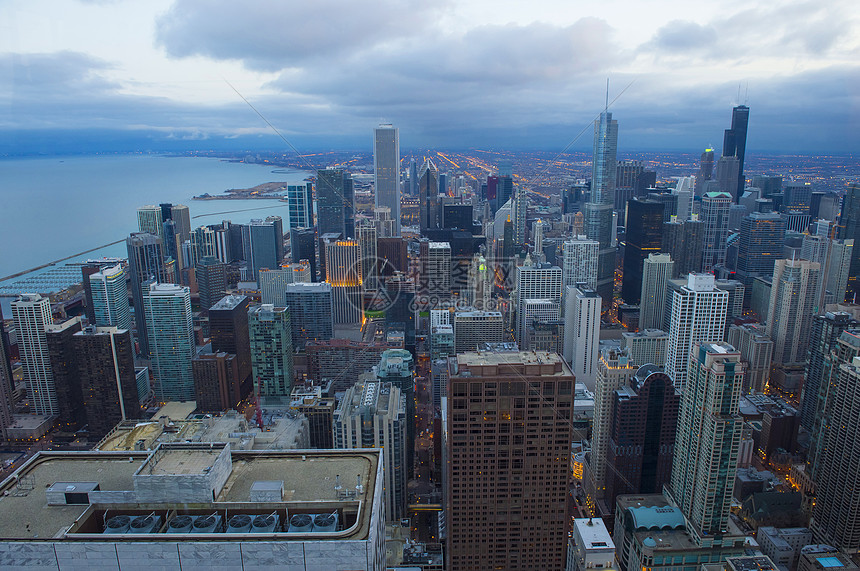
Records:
x=149, y=219
x=105, y=359
x=697, y=315
x=790, y=311
x=386, y=171
x=335, y=202
x=343, y=273
x=706, y=170
x=473, y=328
x=300, y=213
x=684, y=241
x=642, y=436
x=228, y=331
x=65, y=373
x=110, y=298
x=848, y=228
x=435, y=271
x=373, y=415
x=5, y=382
x=271, y=351
x=146, y=266
x=311, y=312
x=644, y=237
x=535, y=282
x=756, y=350
x=171, y=341
x=31, y=313
x=428, y=193
x=760, y=245
x=482, y=496
x=735, y=141
x=579, y=262
x=715, y=215
x=366, y=236
x=303, y=244
x=709, y=433
x=836, y=512
x=826, y=329
x=657, y=270
x=211, y=275
x=598, y=212
x=267, y=244
x=582, y=333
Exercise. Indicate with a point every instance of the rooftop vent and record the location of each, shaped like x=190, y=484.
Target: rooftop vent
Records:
x=300, y=523
x=145, y=524
x=117, y=524
x=325, y=522
x=181, y=524
x=239, y=524
x=265, y=523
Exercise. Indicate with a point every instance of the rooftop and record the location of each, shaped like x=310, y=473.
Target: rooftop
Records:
x=228, y=302
x=593, y=533
x=308, y=476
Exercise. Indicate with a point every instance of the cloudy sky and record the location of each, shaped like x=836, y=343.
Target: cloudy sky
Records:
x=510, y=74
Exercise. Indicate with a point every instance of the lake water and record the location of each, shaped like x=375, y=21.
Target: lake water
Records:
x=54, y=207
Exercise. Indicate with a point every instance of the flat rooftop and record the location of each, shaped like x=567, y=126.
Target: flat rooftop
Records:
x=473, y=358
x=309, y=477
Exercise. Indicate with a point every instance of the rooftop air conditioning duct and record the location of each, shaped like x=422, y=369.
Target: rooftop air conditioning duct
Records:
x=180, y=524
x=265, y=523
x=239, y=524
x=325, y=522
x=145, y=524
x=300, y=523
x=117, y=524
x=207, y=524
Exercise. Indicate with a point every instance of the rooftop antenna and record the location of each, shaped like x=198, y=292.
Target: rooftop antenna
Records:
x=606, y=109
x=739, y=94
x=747, y=93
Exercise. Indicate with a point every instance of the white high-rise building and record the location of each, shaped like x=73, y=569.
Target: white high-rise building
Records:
x=708, y=439
x=837, y=272
x=149, y=220
x=646, y=346
x=472, y=328
x=539, y=256
x=110, y=298
x=535, y=282
x=657, y=270
x=366, y=236
x=31, y=313
x=386, y=171
x=791, y=308
x=614, y=368
x=697, y=315
x=170, y=330
x=373, y=415
x=273, y=283
x=582, y=333
x=579, y=262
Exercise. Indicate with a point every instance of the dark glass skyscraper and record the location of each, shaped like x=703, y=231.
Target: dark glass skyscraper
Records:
x=644, y=237
x=849, y=228
x=735, y=142
x=642, y=438
x=428, y=193
x=335, y=202
x=146, y=265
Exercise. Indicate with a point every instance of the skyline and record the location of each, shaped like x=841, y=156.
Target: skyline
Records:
x=448, y=75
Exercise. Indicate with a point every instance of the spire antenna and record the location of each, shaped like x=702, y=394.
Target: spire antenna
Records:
x=606, y=109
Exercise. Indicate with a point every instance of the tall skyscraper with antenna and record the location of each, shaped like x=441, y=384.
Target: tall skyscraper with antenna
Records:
x=598, y=211
x=735, y=143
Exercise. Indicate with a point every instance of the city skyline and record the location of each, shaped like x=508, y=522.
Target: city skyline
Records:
x=172, y=81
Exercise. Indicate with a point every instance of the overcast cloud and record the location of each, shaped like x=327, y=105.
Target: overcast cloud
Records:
x=449, y=74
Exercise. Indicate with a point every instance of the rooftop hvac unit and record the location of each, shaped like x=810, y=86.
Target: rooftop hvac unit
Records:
x=239, y=524
x=181, y=524
x=207, y=524
x=325, y=522
x=145, y=524
x=117, y=524
x=301, y=523
x=265, y=523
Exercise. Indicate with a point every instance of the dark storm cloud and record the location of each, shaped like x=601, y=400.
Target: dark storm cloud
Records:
x=272, y=35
